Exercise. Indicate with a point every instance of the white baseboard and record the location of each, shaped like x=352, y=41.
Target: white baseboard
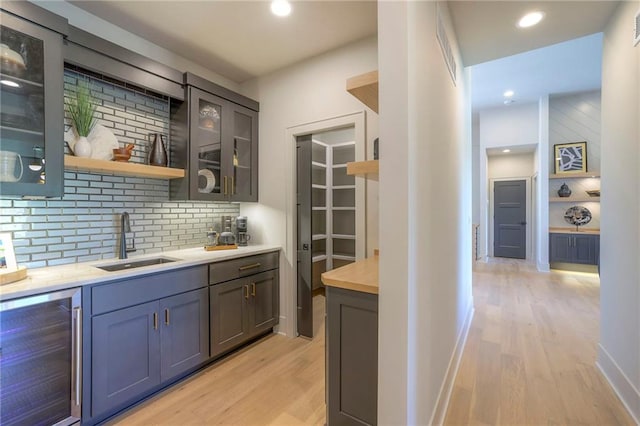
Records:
x=543, y=267
x=622, y=386
x=446, y=389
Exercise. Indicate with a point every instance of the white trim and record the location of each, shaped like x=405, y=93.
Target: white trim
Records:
x=622, y=386
x=289, y=282
x=528, y=214
x=444, y=396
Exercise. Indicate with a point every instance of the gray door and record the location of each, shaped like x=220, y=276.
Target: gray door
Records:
x=510, y=219
x=263, y=313
x=229, y=319
x=303, y=195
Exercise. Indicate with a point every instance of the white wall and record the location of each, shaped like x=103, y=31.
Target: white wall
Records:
x=504, y=126
x=91, y=23
x=425, y=192
x=307, y=92
x=619, y=355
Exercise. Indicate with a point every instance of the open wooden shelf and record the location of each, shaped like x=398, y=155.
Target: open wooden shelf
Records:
x=575, y=175
x=370, y=168
x=365, y=88
x=120, y=168
x=574, y=199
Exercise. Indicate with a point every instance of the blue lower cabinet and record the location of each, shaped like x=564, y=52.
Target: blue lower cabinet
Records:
x=137, y=349
x=126, y=356
x=574, y=248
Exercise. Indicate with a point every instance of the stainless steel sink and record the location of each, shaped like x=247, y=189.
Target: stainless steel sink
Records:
x=135, y=264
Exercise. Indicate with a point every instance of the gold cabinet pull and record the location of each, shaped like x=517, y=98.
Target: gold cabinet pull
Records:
x=252, y=266
x=233, y=185
x=224, y=180
x=253, y=289
x=246, y=291
x=166, y=316
x=155, y=320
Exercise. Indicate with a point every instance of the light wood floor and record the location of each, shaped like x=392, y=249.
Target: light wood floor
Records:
x=529, y=360
x=531, y=351
x=276, y=381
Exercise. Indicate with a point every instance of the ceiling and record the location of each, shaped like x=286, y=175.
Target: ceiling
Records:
x=241, y=39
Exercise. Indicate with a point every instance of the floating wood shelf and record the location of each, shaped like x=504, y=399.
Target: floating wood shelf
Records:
x=370, y=168
x=575, y=175
x=574, y=199
x=365, y=88
x=120, y=168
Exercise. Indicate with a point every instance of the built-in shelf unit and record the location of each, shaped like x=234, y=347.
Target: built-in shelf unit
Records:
x=333, y=207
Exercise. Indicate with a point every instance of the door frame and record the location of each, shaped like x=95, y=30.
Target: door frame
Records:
x=358, y=120
x=528, y=214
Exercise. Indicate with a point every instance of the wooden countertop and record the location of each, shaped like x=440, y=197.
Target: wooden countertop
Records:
x=358, y=276
x=572, y=230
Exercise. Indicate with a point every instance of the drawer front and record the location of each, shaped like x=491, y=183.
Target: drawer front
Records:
x=236, y=268
x=129, y=292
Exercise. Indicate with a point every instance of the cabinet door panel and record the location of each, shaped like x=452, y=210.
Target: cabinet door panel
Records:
x=31, y=110
x=184, y=332
x=126, y=356
x=244, y=177
x=560, y=248
x=228, y=305
x=263, y=313
x=585, y=249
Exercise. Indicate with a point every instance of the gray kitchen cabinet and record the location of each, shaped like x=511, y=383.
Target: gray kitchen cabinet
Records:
x=31, y=101
x=219, y=144
x=125, y=356
x=244, y=300
x=574, y=248
x=352, y=357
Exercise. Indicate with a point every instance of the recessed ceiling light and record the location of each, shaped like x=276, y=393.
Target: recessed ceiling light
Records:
x=280, y=7
x=508, y=93
x=506, y=150
x=530, y=19
x=9, y=83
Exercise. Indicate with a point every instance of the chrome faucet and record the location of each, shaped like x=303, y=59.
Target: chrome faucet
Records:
x=125, y=227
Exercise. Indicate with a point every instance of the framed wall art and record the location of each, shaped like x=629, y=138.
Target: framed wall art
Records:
x=7, y=255
x=570, y=158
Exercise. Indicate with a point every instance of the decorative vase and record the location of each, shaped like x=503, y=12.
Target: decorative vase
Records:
x=564, y=190
x=82, y=148
x=158, y=153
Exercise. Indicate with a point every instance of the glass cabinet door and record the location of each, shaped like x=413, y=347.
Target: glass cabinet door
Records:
x=245, y=155
x=31, y=128
x=206, y=146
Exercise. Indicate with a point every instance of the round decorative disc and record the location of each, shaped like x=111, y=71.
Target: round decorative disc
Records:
x=577, y=215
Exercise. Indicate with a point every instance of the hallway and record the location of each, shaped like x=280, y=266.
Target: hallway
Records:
x=531, y=351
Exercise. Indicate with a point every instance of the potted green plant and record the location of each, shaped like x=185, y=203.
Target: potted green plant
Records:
x=82, y=110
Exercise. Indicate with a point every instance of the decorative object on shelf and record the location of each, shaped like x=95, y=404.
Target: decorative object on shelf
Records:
x=208, y=181
x=593, y=193
x=11, y=62
x=82, y=112
x=376, y=153
x=212, y=238
x=158, y=152
x=208, y=117
x=102, y=141
x=37, y=161
x=9, y=163
x=570, y=158
x=578, y=216
x=123, y=154
x=564, y=190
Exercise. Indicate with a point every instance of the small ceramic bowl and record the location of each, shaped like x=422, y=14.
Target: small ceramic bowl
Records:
x=121, y=154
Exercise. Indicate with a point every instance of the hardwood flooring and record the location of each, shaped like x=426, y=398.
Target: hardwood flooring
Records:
x=531, y=351
x=529, y=360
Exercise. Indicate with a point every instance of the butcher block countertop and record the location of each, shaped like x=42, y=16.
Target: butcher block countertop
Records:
x=572, y=230
x=358, y=276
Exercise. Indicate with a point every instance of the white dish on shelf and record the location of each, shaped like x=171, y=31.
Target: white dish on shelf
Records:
x=211, y=180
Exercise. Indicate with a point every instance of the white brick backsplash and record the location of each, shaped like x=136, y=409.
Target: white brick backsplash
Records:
x=85, y=224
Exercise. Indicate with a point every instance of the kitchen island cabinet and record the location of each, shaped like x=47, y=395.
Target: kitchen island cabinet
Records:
x=352, y=343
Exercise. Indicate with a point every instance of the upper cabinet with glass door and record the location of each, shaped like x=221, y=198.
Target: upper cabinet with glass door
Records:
x=222, y=144
x=31, y=109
